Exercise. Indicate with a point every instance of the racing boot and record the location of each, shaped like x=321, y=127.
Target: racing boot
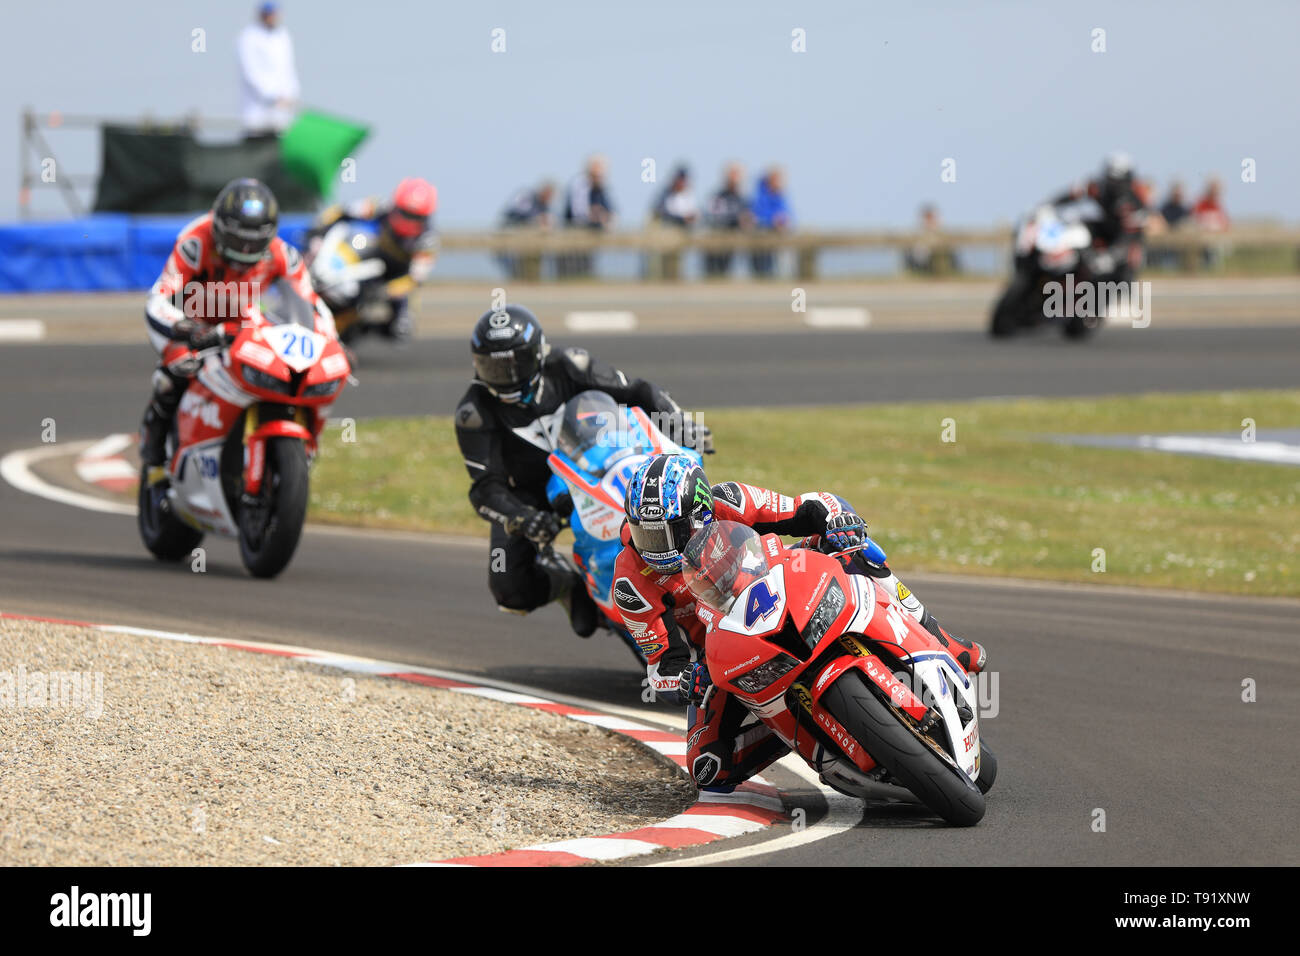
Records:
x=399, y=328
x=969, y=654
x=568, y=587
x=157, y=421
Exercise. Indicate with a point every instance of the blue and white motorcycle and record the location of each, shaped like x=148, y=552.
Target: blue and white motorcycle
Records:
x=599, y=447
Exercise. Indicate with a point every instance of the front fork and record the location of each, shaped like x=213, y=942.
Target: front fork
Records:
x=258, y=427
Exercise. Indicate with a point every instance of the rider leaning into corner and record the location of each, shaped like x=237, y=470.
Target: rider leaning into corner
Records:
x=407, y=246
x=668, y=500
x=217, y=266
x=506, y=424
x=1123, y=213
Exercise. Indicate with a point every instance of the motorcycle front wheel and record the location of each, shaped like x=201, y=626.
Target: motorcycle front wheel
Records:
x=270, y=527
x=898, y=747
x=166, y=536
x=1006, y=318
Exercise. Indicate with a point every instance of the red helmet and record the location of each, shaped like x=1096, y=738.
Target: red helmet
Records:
x=414, y=201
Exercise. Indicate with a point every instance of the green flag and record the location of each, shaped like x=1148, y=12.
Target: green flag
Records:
x=314, y=147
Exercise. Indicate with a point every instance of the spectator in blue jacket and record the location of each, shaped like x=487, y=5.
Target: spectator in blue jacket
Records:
x=772, y=214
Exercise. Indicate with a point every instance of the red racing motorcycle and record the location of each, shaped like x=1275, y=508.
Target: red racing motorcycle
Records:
x=839, y=671
x=244, y=436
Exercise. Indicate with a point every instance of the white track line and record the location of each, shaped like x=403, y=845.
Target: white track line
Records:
x=21, y=330
x=109, y=445
x=843, y=813
x=600, y=321
x=15, y=468
x=837, y=318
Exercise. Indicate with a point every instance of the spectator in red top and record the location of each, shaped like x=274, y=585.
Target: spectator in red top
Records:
x=1208, y=212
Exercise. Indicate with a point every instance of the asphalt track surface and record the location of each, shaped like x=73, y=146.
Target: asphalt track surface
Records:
x=1111, y=700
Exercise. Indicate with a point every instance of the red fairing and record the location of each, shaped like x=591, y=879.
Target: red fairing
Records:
x=256, y=445
x=766, y=646
x=207, y=410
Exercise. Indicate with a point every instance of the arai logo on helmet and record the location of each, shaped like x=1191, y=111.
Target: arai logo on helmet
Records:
x=651, y=512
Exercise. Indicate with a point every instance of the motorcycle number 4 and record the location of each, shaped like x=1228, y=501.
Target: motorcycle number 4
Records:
x=299, y=347
x=760, y=603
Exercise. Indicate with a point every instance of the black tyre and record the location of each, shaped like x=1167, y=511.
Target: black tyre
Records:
x=1078, y=327
x=1007, y=313
x=270, y=529
x=900, y=749
x=988, y=769
x=166, y=536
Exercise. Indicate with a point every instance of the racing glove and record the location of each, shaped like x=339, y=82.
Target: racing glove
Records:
x=698, y=436
x=197, y=335
x=843, y=531
x=696, y=686
x=539, y=527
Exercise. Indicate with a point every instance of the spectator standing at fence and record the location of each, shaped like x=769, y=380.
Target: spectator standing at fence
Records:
x=1208, y=211
x=529, y=208
x=728, y=211
x=586, y=206
x=771, y=213
x=676, y=205
x=1209, y=215
x=268, y=77
x=1174, y=209
x=925, y=257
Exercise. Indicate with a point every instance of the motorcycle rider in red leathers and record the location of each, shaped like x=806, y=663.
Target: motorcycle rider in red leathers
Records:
x=216, y=268
x=668, y=499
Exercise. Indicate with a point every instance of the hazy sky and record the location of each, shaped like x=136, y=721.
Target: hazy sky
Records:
x=862, y=121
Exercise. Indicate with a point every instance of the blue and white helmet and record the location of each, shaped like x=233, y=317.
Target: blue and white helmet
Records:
x=668, y=500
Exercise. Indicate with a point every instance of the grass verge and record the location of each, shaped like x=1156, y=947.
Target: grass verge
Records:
x=1001, y=499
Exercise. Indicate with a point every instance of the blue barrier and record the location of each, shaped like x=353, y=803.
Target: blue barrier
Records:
x=107, y=252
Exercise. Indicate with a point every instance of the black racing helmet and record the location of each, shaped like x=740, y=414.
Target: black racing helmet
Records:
x=244, y=219
x=509, y=348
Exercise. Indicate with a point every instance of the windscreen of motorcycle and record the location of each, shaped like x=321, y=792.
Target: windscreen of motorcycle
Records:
x=721, y=561
x=594, y=432
x=282, y=304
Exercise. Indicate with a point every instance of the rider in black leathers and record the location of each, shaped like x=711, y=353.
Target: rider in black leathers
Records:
x=505, y=425
x=1123, y=214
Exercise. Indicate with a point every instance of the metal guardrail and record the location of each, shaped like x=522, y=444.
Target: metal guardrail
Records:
x=664, y=247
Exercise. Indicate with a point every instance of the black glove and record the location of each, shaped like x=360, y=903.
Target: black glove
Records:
x=697, y=435
x=843, y=531
x=539, y=527
x=197, y=335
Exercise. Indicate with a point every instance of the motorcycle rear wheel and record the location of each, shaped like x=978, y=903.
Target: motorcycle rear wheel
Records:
x=166, y=536
x=268, y=535
x=900, y=749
